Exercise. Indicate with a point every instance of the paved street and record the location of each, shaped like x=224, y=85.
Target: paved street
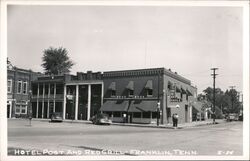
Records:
x=78, y=138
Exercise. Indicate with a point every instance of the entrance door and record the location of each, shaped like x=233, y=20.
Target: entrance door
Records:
x=186, y=113
x=8, y=111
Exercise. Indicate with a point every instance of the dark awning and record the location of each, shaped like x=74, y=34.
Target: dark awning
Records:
x=143, y=106
x=114, y=106
x=183, y=91
x=189, y=93
x=130, y=85
x=177, y=89
x=197, y=107
x=149, y=84
x=112, y=86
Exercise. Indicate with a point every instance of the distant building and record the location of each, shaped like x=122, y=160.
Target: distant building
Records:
x=18, y=87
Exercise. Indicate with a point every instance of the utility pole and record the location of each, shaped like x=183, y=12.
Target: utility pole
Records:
x=214, y=76
x=232, y=98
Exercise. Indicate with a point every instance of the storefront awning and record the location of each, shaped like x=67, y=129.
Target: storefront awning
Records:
x=130, y=85
x=197, y=108
x=115, y=106
x=183, y=91
x=189, y=93
x=143, y=106
x=149, y=85
x=112, y=86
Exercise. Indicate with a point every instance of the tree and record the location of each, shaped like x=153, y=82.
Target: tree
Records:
x=228, y=100
x=56, y=61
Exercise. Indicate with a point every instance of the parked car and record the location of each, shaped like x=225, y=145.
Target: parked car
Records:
x=56, y=117
x=232, y=117
x=101, y=118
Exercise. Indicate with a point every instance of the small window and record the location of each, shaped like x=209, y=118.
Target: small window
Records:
x=130, y=93
x=9, y=86
x=19, y=87
x=25, y=87
x=18, y=109
x=23, y=109
x=113, y=93
x=149, y=92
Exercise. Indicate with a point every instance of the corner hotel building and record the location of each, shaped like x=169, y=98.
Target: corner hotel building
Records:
x=138, y=95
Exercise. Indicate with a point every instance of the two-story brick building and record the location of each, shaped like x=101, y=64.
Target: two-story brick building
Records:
x=143, y=95
x=18, y=87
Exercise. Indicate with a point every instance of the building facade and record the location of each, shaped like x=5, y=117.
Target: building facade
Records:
x=76, y=97
x=18, y=87
x=147, y=96
x=132, y=96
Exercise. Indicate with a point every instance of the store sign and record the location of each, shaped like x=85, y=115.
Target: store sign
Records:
x=70, y=97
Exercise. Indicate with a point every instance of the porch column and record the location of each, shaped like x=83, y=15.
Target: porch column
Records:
x=48, y=101
x=191, y=113
x=54, y=106
x=37, y=105
x=76, y=104
x=64, y=101
x=102, y=94
x=89, y=101
x=43, y=100
x=10, y=108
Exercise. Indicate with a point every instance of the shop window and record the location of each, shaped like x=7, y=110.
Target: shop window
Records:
x=137, y=115
x=154, y=114
x=19, y=87
x=25, y=87
x=146, y=114
x=9, y=86
x=117, y=114
x=21, y=109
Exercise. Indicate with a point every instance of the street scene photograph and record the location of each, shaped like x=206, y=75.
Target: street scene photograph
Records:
x=125, y=81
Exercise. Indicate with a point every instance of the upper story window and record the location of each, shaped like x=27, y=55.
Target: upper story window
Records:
x=149, y=92
x=25, y=87
x=19, y=87
x=9, y=86
x=113, y=93
x=130, y=93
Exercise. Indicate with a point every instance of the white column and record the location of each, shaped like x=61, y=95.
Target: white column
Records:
x=48, y=101
x=10, y=109
x=102, y=94
x=43, y=100
x=190, y=114
x=76, y=103
x=89, y=101
x=54, y=106
x=37, y=105
x=64, y=101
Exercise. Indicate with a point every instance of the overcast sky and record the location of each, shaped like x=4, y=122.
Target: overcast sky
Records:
x=189, y=40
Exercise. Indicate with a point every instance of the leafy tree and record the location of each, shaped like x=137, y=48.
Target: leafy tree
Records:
x=223, y=99
x=56, y=61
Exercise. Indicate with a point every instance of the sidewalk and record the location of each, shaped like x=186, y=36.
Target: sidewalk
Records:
x=169, y=126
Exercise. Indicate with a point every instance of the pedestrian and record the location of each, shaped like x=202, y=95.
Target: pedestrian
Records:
x=175, y=120
x=124, y=118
